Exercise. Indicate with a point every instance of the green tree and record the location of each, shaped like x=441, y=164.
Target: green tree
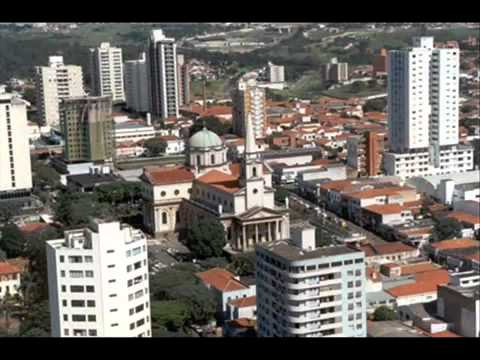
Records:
x=155, y=146
x=213, y=262
x=200, y=301
x=375, y=105
x=212, y=123
x=446, y=228
x=44, y=174
x=205, y=238
x=243, y=265
x=12, y=240
x=169, y=314
x=384, y=313
x=467, y=108
x=37, y=321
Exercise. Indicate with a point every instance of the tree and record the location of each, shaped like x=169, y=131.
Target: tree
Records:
x=205, y=238
x=375, y=105
x=466, y=109
x=36, y=321
x=169, y=314
x=243, y=265
x=384, y=313
x=3, y=255
x=12, y=240
x=358, y=86
x=200, y=301
x=155, y=146
x=446, y=228
x=44, y=175
x=213, y=262
x=212, y=123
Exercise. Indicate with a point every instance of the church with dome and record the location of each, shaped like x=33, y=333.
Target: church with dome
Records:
x=209, y=186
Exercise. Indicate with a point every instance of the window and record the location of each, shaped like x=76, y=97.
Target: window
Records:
x=350, y=284
x=338, y=263
x=255, y=191
x=140, y=322
x=358, y=272
x=62, y=273
x=62, y=259
x=163, y=193
x=348, y=262
x=65, y=317
x=137, y=265
x=79, y=332
x=90, y=288
x=139, y=308
x=64, y=302
x=75, y=259
x=130, y=283
x=92, y=332
x=212, y=159
x=65, y=332
x=359, y=326
x=76, y=274
x=350, y=306
x=64, y=288
x=129, y=268
x=76, y=289
x=132, y=311
x=350, y=317
x=89, y=274
x=358, y=316
x=114, y=325
x=358, y=261
x=78, y=303
x=112, y=295
x=110, y=251
x=164, y=218
x=80, y=318
x=177, y=192
x=88, y=259
x=358, y=294
x=111, y=266
x=254, y=171
x=92, y=318
x=90, y=303
x=132, y=326
x=358, y=283
x=112, y=281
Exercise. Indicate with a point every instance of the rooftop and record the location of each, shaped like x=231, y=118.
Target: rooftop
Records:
x=385, y=249
x=7, y=268
x=86, y=180
x=244, y=302
x=293, y=253
x=465, y=217
x=164, y=175
x=221, y=280
x=393, y=328
x=455, y=244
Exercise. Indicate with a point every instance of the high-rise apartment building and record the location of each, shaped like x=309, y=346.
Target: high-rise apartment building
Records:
x=305, y=291
x=380, y=63
x=365, y=153
x=136, y=84
x=334, y=71
x=15, y=166
x=87, y=125
x=249, y=101
x=423, y=95
x=106, y=72
x=183, y=76
x=53, y=83
x=98, y=282
x=276, y=73
x=162, y=75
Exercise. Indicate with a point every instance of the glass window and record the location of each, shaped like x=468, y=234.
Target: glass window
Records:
x=88, y=273
x=90, y=303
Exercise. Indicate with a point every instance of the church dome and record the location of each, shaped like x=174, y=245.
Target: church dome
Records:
x=205, y=139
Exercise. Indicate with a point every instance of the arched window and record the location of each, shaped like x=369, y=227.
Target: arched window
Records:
x=164, y=218
x=254, y=172
x=198, y=160
x=212, y=159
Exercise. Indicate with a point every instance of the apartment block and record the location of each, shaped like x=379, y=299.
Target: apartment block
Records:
x=249, y=101
x=15, y=166
x=183, y=75
x=305, y=291
x=276, y=73
x=136, y=84
x=87, y=126
x=106, y=68
x=380, y=63
x=162, y=75
x=423, y=103
x=53, y=83
x=365, y=153
x=98, y=282
x=334, y=71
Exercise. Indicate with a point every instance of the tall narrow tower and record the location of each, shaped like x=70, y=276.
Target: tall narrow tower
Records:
x=252, y=176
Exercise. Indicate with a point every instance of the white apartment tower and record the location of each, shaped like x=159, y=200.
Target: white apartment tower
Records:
x=276, y=73
x=162, y=75
x=249, y=101
x=106, y=68
x=15, y=166
x=98, y=282
x=136, y=84
x=423, y=96
x=53, y=83
x=304, y=291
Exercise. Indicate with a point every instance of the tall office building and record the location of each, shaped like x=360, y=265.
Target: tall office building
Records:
x=305, y=291
x=87, y=125
x=183, y=76
x=334, y=71
x=15, y=166
x=423, y=95
x=98, y=282
x=162, y=75
x=276, y=73
x=106, y=72
x=53, y=83
x=136, y=84
x=249, y=101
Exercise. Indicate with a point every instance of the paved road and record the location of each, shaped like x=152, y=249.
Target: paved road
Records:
x=333, y=224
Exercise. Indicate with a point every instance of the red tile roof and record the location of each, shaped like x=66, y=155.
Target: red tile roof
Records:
x=444, y=334
x=7, y=269
x=455, y=244
x=386, y=249
x=366, y=194
x=425, y=283
x=163, y=175
x=465, y=217
x=216, y=176
x=243, y=323
x=244, y=302
x=418, y=268
x=385, y=209
x=221, y=280
x=34, y=227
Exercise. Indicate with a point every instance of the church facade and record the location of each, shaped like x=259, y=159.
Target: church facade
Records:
x=208, y=186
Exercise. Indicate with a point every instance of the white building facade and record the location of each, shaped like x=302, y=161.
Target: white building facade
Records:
x=162, y=75
x=276, y=73
x=54, y=82
x=136, y=84
x=308, y=292
x=106, y=68
x=423, y=103
x=15, y=166
x=98, y=282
